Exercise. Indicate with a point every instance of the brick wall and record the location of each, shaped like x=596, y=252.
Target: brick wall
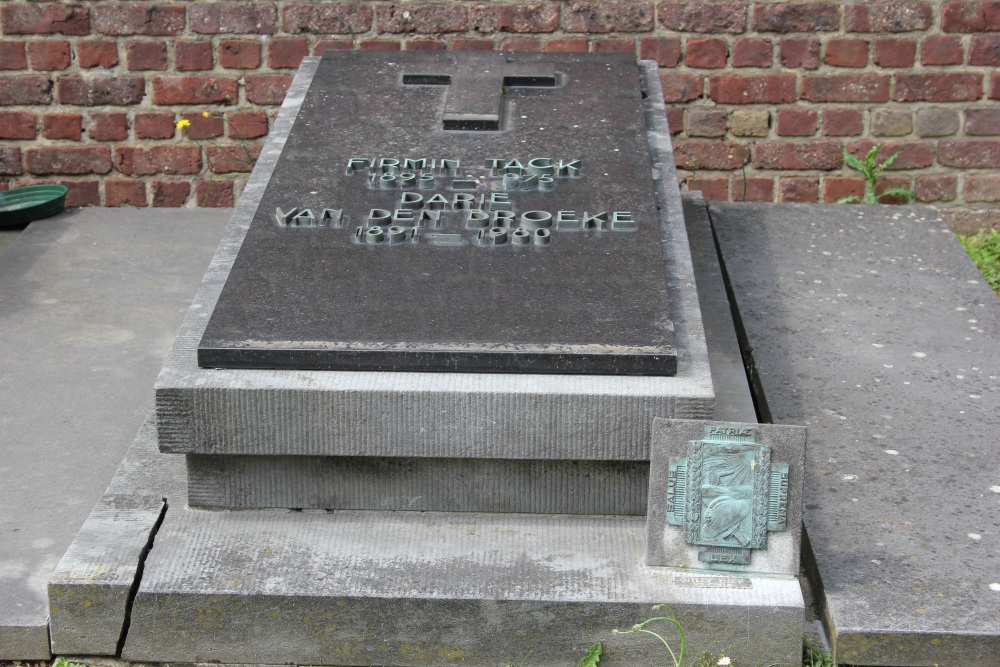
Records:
x=762, y=97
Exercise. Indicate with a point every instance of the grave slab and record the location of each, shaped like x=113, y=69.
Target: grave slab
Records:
x=421, y=415
x=872, y=327
x=91, y=300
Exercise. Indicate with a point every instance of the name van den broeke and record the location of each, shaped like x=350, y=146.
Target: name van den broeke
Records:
x=486, y=204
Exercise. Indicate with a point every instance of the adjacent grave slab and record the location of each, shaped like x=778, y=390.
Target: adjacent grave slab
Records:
x=91, y=300
x=726, y=496
x=458, y=415
x=871, y=326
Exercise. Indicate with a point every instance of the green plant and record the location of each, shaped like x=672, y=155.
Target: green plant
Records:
x=63, y=662
x=984, y=249
x=870, y=168
x=813, y=654
x=593, y=656
x=670, y=618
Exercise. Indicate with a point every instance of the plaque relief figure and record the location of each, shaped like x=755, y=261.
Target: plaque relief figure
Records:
x=727, y=492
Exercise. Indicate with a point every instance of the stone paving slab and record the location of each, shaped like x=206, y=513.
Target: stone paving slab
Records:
x=411, y=588
x=90, y=301
x=872, y=327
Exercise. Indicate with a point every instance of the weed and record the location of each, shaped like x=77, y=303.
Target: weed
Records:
x=813, y=654
x=593, y=656
x=984, y=249
x=870, y=169
x=670, y=618
x=241, y=156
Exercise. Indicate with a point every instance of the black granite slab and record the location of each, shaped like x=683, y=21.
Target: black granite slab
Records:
x=358, y=260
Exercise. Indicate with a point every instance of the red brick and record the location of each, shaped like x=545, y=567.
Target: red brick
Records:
x=966, y=16
x=230, y=158
x=796, y=122
x=379, y=45
x=193, y=56
x=478, y=45
x=985, y=50
x=108, y=127
x=703, y=122
x=202, y=126
x=267, y=89
x=842, y=122
x=104, y=91
x=752, y=53
x=712, y=188
x=802, y=53
x=69, y=160
x=10, y=161
x=938, y=87
x=567, y=45
x=96, y=53
x=846, y=88
x=172, y=194
x=603, y=17
x=214, y=194
x=62, y=126
x=752, y=89
x=798, y=190
x=846, y=52
x=613, y=46
x=17, y=125
x=324, y=45
x=82, y=193
x=423, y=45
x=239, y=54
x=969, y=153
x=44, y=19
x=702, y=17
x=30, y=89
x=138, y=18
x=995, y=86
x=895, y=52
x=124, y=192
x=345, y=18
x=982, y=188
x=912, y=155
x=233, y=18
x=706, y=53
x=154, y=125
x=941, y=50
x=888, y=16
x=982, y=122
x=533, y=18
x=797, y=17
x=49, y=55
x=681, y=87
x=12, y=55
x=146, y=56
x=936, y=188
x=421, y=19
x=194, y=90
x=246, y=124
x=148, y=160
x=798, y=155
x=700, y=155
x=516, y=44
x=836, y=188
x=666, y=52
x=287, y=53
x=884, y=183
x=675, y=120
x=757, y=188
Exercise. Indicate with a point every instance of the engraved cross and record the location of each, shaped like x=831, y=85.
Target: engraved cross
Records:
x=476, y=87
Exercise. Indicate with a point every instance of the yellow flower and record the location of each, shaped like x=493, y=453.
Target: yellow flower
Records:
x=204, y=114
x=182, y=123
